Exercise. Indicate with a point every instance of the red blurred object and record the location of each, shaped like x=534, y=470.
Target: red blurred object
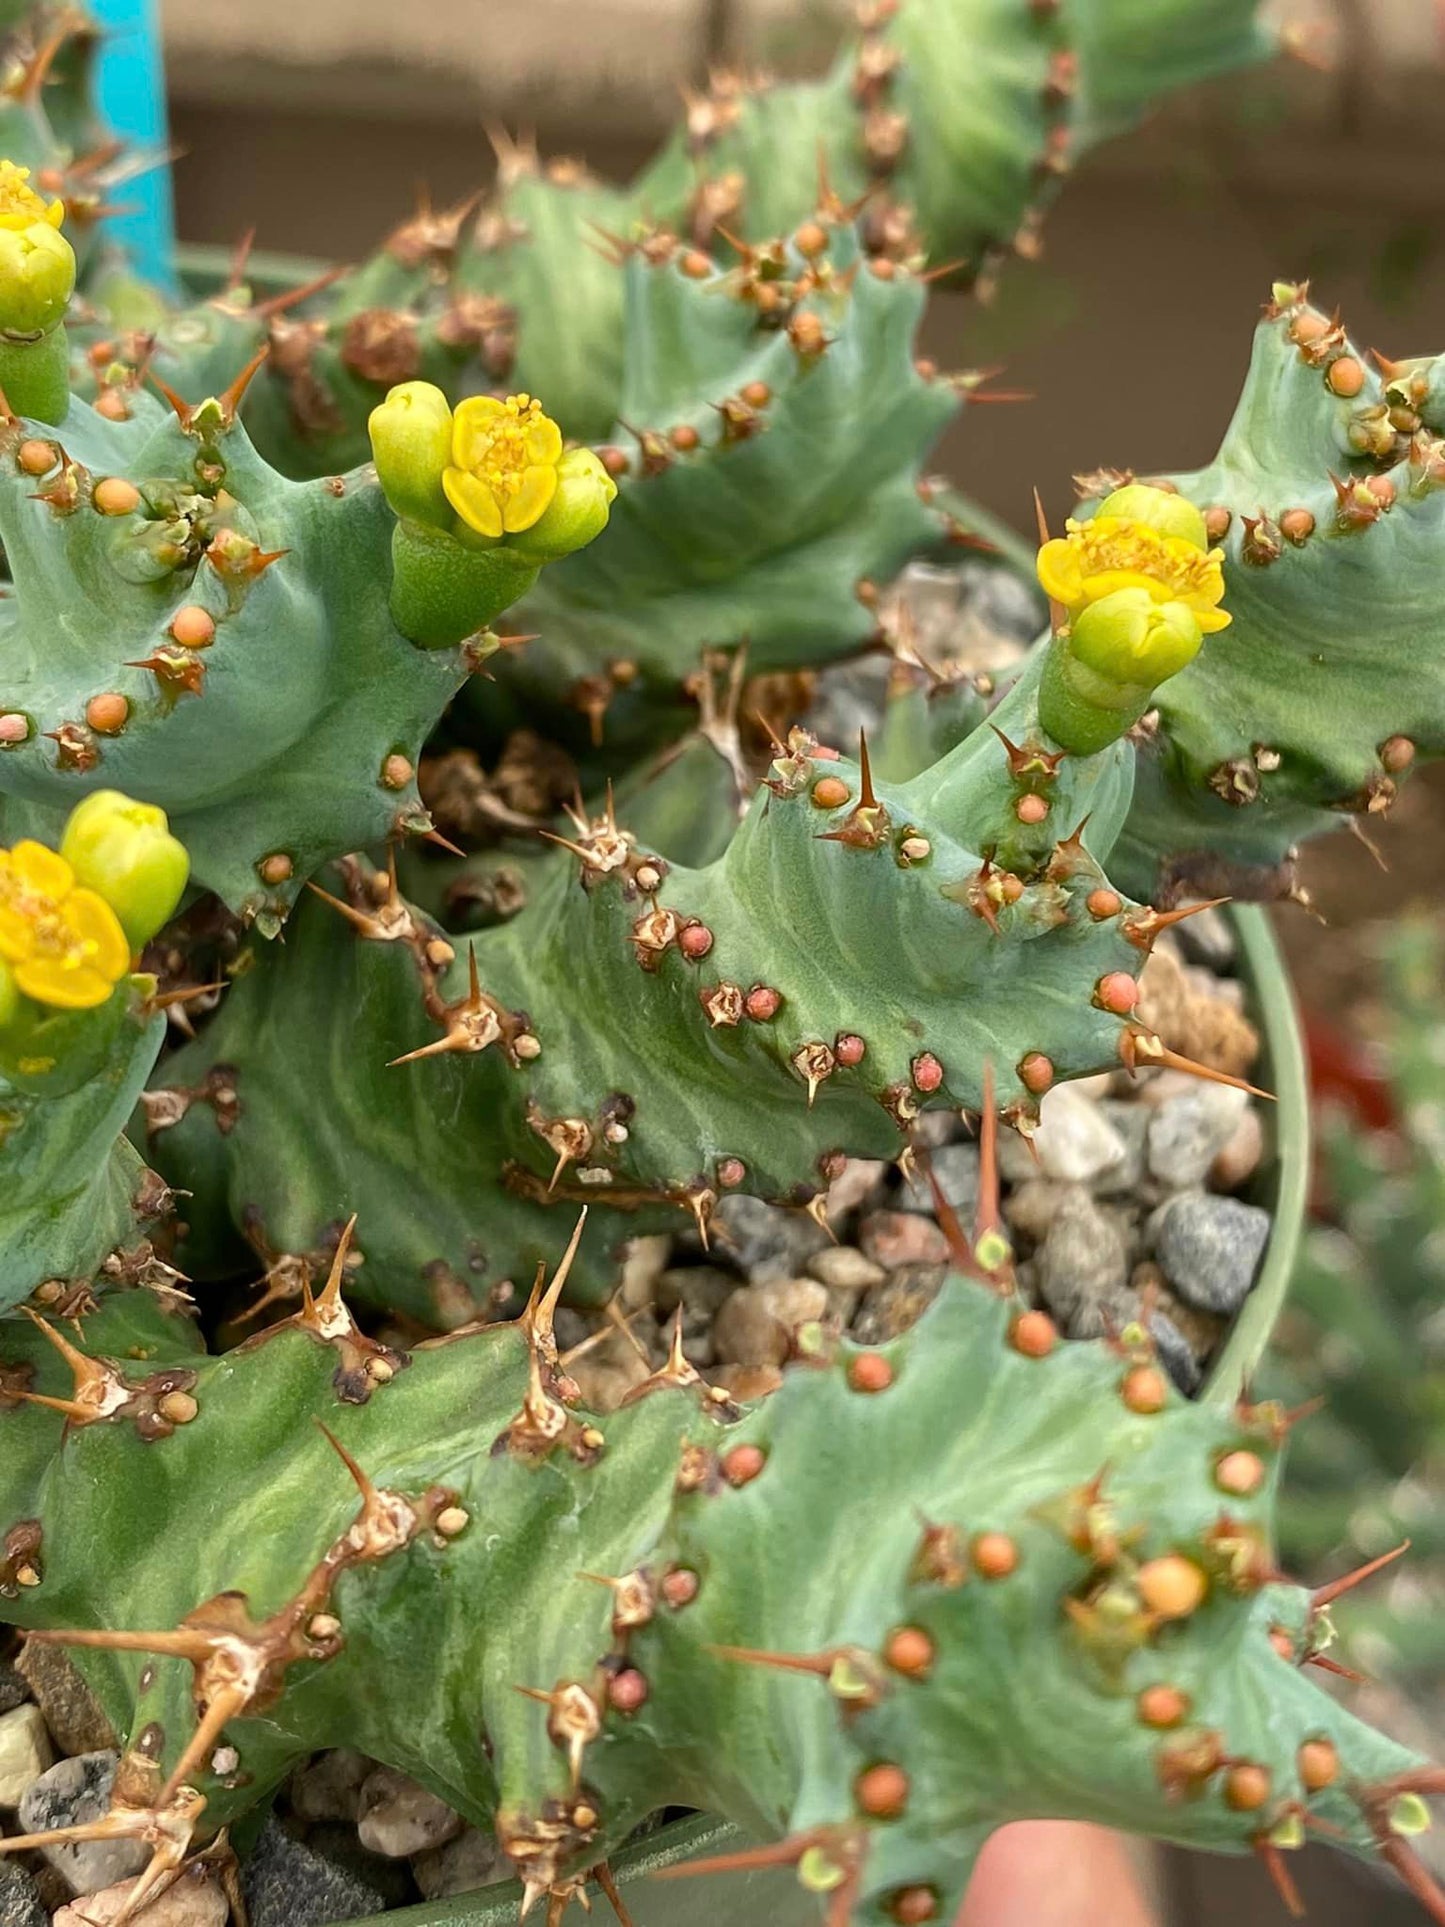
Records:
x=1341, y=1071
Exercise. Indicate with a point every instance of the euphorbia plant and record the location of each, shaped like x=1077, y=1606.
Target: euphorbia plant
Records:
x=968, y=1576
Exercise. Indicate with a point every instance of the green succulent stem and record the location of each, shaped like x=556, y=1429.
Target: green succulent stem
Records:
x=443, y=590
x=35, y=375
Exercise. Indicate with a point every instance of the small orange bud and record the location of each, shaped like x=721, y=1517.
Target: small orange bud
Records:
x=627, y=1690
x=696, y=265
x=881, y=1791
x=1239, y=1474
x=742, y=1464
x=1397, y=753
x=107, y=714
x=870, y=1372
x=731, y=1172
x=111, y=403
x=910, y=1651
x=756, y=394
x=276, y=868
x=1034, y=1334
x=694, y=940
x=1247, y=1786
x=994, y=1555
x=811, y=240
x=763, y=1003
x=927, y=1073
x=913, y=1906
x=37, y=457
x=684, y=438
x=1145, y=1390
x=1216, y=522
x=396, y=771
x=1297, y=526
x=1031, y=809
x=1102, y=904
x=1163, y=1706
x=193, y=627
x=1036, y=1072
x=849, y=1048
x=1318, y=1764
x=1345, y=377
x=1171, y=1587
x=830, y=793
x=680, y=1586
x=116, y=496
x=1117, y=992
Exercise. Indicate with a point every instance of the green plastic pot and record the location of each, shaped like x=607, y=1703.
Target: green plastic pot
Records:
x=771, y=1897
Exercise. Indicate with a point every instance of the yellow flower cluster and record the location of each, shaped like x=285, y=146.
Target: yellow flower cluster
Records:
x=20, y=206
x=63, y=944
x=1111, y=552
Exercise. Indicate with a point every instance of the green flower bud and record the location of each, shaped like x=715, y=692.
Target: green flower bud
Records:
x=1129, y=638
x=1158, y=509
x=1101, y=672
x=124, y=852
x=411, y=444
x=576, y=514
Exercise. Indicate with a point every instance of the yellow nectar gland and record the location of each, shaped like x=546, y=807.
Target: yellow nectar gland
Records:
x=20, y=206
x=64, y=945
x=1114, y=552
x=505, y=456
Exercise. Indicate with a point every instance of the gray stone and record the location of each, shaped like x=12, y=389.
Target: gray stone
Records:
x=14, y=1689
x=896, y=1238
x=844, y=1268
x=1075, y=1142
x=470, y=1861
x=696, y=1287
x=1187, y=1133
x=1209, y=1248
x=72, y=1712
x=1130, y=1121
x=398, y=1816
x=1083, y=1269
x=20, y=1902
x=644, y=1260
x=900, y=1301
x=765, y=1240
x=757, y=1324
x=329, y=1786
x=70, y=1793
x=955, y=1167
x=859, y=1183
x=25, y=1752
x=286, y=1884
x=1241, y=1157
x=849, y=696
x=1031, y=1207
x=195, y=1900
x=1175, y=1353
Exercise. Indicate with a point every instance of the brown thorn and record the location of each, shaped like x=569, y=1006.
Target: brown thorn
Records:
x=986, y=1214
x=1273, y=1862
x=229, y=1700
x=1328, y=1665
x=442, y=842
x=363, y=1484
x=781, y=1853
x=331, y=1291
x=602, y=1874
x=169, y=999
x=1058, y=615
x=1328, y=1594
x=239, y=259
x=437, y=1048
x=820, y=1664
x=474, y=981
x=279, y=303
x=359, y=918
x=232, y=395
x=1421, y=1883
x=1160, y=1054
x=866, y=799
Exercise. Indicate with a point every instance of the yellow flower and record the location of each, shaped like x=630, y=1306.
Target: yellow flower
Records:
x=64, y=945
x=1117, y=552
x=37, y=263
x=504, y=463
x=20, y=206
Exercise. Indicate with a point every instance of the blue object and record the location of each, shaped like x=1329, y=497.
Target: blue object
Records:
x=130, y=85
